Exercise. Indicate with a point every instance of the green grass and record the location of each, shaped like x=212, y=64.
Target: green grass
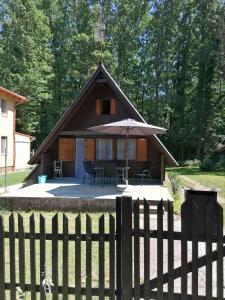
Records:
x=14, y=178
x=193, y=177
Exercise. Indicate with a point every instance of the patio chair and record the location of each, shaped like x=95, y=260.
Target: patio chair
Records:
x=89, y=171
x=142, y=173
x=57, y=169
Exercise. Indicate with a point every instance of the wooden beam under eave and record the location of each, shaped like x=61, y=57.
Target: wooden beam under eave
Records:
x=162, y=169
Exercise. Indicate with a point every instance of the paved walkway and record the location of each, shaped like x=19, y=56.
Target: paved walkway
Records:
x=74, y=188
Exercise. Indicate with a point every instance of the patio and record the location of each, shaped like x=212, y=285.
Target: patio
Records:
x=74, y=188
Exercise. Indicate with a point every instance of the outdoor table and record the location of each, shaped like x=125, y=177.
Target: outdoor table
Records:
x=99, y=174
x=120, y=172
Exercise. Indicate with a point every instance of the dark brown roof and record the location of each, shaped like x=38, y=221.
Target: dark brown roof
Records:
x=52, y=135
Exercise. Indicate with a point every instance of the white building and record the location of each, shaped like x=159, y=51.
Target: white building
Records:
x=8, y=102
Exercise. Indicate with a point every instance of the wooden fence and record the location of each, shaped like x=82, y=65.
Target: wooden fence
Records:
x=130, y=254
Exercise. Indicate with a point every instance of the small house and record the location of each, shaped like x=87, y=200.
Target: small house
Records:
x=100, y=101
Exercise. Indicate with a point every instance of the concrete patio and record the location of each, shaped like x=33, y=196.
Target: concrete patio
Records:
x=74, y=188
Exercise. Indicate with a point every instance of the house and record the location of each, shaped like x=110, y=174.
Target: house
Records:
x=8, y=102
x=100, y=101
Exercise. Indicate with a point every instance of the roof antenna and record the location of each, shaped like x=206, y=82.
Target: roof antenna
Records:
x=100, y=29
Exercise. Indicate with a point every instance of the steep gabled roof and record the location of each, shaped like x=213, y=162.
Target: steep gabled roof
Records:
x=73, y=107
x=17, y=98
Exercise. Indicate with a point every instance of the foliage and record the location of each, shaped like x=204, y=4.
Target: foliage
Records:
x=175, y=182
x=207, y=165
x=167, y=56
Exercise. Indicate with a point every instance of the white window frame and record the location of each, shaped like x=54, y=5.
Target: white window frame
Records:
x=4, y=138
x=5, y=113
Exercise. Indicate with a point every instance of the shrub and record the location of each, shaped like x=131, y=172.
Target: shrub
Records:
x=175, y=182
x=220, y=165
x=207, y=165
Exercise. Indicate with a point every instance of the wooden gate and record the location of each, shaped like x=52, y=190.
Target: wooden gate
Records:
x=151, y=256
x=165, y=256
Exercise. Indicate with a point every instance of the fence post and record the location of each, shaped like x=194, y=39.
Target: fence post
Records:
x=124, y=247
x=201, y=199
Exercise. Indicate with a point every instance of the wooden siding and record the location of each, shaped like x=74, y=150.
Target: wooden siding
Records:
x=86, y=115
x=98, y=107
x=154, y=156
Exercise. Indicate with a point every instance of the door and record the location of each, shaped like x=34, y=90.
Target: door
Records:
x=79, y=168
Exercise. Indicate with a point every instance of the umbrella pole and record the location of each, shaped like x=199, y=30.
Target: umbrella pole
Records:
x=127, y=158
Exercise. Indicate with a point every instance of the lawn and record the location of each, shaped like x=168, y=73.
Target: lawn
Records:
x=194, y=177
x=14, y=178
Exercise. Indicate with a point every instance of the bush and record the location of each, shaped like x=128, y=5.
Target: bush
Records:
x=220, y=165
x=175, y=182
x=207, y=165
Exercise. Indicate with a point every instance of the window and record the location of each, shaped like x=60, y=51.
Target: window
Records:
x=3, y=144
x=106, y=106
x=104, y=149
x=3, y=107
x=121, y=149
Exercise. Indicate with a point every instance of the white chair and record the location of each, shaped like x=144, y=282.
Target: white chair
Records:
x=57, y=169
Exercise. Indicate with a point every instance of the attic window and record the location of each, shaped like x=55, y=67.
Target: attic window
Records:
x=106, y=106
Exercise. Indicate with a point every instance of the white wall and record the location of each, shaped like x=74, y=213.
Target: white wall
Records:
x=22, y=151
x=7, y=129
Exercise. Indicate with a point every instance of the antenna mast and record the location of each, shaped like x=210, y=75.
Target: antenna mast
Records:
x=101, y=27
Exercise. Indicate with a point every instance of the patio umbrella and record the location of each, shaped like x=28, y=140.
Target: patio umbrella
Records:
x=128, y=127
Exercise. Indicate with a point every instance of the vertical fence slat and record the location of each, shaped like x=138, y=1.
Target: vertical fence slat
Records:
x=183, y=255
x=101, y=260
x=21, y=253
x=219, y=252
x=78, y=258
x=209, y=214
x=111, y=257
x=12, y=257
x=160, y=250
x=88, y=257
x=43, y=266
x=124, y=247
x=2, y=259
x=195, y=215
x=65, y=257
x=55, y=257
x=146, y=251
x=118, y=248
x=32, y=258
x=137, y=250
x=170, y=251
